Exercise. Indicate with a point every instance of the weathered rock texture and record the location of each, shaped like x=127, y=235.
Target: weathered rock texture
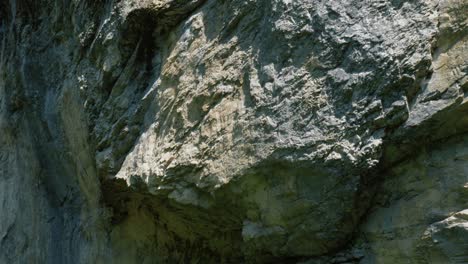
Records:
x=242, y=131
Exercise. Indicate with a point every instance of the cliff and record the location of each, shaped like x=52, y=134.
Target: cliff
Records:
x=242, y=131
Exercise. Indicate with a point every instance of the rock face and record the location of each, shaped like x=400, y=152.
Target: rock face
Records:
x=243, y=131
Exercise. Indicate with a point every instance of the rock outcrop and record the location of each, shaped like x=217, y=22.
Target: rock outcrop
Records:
x=243, y=131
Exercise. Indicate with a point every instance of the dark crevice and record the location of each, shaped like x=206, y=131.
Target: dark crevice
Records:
x=138, y=32
x=142, y=26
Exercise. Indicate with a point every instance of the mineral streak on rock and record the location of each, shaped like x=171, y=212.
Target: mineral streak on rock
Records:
x=242, y=131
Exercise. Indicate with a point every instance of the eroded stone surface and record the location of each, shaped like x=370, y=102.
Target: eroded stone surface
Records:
x=418, y=216
x=229, y=131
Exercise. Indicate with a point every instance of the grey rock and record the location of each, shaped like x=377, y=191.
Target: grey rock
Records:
x=167, y=131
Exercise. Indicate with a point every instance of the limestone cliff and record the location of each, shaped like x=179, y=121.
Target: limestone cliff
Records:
x=242, y=131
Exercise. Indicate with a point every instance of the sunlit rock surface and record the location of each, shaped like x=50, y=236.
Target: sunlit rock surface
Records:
x=243, y=131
